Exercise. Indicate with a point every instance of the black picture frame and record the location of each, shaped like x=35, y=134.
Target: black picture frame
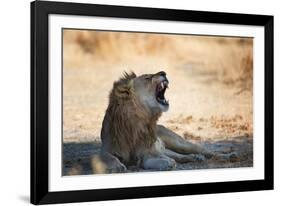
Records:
x=40, y=98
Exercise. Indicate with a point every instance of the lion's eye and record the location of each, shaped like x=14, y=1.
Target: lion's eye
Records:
x=147, y=77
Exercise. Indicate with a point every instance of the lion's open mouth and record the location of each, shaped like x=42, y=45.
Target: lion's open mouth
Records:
x=160, y=93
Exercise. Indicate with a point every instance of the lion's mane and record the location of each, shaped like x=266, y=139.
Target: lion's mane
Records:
x=130, y=128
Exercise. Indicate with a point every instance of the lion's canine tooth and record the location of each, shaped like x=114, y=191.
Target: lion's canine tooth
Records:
x=162, y=85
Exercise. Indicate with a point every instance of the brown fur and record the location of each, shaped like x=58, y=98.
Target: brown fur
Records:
x=131, y=127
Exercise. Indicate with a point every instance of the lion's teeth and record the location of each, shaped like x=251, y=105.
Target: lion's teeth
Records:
x=162, y=85
x=165, y=84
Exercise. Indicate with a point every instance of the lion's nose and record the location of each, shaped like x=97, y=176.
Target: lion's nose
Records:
x=162, y=73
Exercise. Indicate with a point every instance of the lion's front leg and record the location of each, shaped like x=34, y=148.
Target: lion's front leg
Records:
x=176, y=143
x=155, y=158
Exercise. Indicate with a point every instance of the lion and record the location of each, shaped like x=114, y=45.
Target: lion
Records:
x=130, y=134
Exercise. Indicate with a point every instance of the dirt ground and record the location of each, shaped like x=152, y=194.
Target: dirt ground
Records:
x=204, y=107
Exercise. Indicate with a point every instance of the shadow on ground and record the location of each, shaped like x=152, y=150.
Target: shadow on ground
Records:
x=77, y=157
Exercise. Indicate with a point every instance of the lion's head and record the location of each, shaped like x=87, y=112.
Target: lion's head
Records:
x=147, y=89
x=150, y=89
x=135, y=104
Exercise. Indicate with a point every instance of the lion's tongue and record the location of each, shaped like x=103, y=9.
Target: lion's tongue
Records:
x=161, y=88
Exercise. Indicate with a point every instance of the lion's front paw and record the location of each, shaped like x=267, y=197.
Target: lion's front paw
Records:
x=165, y=164
x=172, y=163
x=159, y=164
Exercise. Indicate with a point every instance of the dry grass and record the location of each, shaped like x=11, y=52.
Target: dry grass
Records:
x=230, y=59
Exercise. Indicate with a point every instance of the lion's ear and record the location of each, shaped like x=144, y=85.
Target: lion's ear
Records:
x=124, y=89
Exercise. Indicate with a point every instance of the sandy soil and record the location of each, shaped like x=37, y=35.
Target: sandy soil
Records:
x=202, y=110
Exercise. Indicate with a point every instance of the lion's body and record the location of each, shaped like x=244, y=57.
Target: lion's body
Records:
x=130, y=134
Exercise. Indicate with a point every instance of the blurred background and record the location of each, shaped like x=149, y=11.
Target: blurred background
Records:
x=210, y=91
